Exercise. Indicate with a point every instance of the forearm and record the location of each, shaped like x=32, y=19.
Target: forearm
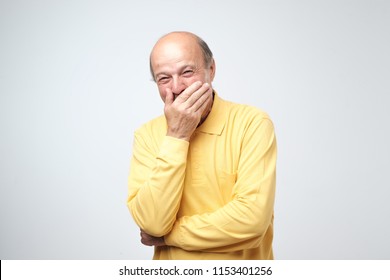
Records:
x=156, y=185
x=241, y=224
x=246, y=219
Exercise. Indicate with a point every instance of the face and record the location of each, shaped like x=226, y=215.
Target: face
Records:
x=177, y=62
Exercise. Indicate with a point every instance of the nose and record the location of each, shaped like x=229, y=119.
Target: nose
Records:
x=178, y=85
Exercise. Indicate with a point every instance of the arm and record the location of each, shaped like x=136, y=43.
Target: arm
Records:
x=243, y=222
x=156, y=178
x=156, y=184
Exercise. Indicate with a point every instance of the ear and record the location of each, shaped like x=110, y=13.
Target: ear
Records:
x=212, y=69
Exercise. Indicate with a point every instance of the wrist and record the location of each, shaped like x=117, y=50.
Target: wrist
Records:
x=178, y=135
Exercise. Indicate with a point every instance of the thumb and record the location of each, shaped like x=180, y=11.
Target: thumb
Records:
x=168, y=97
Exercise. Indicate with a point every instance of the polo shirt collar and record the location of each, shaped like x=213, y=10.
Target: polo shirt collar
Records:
x=215, y=121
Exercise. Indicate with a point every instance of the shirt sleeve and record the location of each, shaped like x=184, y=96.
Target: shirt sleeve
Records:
x=244, y=221
x=156, y=183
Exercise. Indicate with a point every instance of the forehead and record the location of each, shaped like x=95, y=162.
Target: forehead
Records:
x=176, y=52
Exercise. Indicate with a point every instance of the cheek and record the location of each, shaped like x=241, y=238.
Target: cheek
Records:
x=207, y=77
x=201, y=76
x=193, y=79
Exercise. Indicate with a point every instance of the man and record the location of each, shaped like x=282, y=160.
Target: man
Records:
x=202, y=178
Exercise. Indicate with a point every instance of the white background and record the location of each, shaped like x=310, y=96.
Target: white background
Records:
x=75, y=84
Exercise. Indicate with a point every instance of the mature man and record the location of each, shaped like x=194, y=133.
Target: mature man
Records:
x=202, y=178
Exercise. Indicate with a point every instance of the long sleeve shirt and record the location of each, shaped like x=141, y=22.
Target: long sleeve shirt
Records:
x=211, y=197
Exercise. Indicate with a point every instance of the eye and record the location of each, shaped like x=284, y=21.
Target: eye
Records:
x=188, y=73
x=163, y=80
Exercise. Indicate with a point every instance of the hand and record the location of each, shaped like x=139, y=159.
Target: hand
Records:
x=184, y=113
x=150, y=240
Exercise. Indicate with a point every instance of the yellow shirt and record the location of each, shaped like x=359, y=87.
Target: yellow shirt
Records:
x=212, y=197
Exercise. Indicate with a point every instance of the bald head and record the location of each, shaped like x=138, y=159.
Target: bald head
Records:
x=174, y=41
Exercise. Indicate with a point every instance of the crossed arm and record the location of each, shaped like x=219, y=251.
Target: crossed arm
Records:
x=157, y=183
x=240, y=224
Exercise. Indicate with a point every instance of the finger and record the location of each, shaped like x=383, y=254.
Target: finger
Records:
x=189, y=91
x=145, y=238
x=197, y=95
x=202, y=100
x=168, y=97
